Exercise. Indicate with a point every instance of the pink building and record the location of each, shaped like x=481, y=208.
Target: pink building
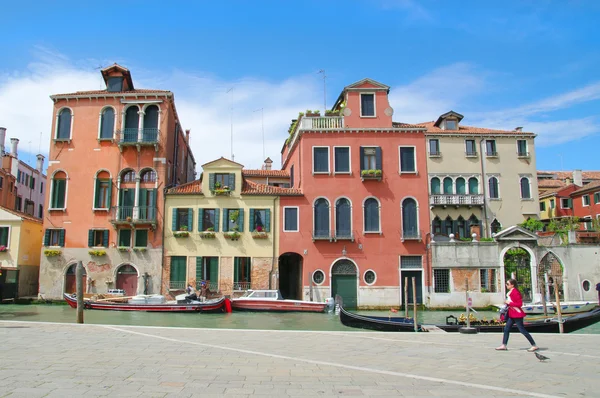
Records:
x=363, y=222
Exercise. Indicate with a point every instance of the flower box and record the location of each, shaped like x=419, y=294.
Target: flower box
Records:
x=52, y=252
x=208, y=235
x=371, y=175
x=97, y=252
x=181, y=234
x=232, y=235
x=124, y=248
x=3, y=249
x=139, y=249
x=260, y=235
x=221, y=191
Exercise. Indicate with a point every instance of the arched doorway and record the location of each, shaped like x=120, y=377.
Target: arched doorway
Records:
x=71, y=280
x=127, y=279
x=517, y=265
x=344, y=282
x=550, y=277
x=290, y=276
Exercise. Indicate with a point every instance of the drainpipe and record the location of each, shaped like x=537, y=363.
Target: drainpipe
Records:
x=176, y=147
x=275, y=207
x=484, y=186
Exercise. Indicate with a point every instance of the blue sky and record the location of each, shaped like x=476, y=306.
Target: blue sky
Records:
x=500, y=64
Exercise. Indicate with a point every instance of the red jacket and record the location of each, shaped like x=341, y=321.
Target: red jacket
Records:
x=516, y=302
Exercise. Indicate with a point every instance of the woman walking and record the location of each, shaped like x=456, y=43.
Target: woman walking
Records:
x=515, y=315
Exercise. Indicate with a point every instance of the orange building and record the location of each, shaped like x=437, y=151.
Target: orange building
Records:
x=112, y=154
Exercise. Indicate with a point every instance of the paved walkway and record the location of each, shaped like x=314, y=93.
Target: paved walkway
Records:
x=69, y=360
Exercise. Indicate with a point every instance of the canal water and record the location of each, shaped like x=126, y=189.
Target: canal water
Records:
x=236, y=320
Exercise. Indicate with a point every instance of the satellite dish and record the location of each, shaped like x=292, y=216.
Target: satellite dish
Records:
x=347, y=112
x=388, y=111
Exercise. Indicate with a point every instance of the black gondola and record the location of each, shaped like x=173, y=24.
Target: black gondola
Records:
x=401, y=324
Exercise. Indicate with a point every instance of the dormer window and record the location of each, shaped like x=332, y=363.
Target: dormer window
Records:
x=450, y=125
x=114, y=84
x=367, y=105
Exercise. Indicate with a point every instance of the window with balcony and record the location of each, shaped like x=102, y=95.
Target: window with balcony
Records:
x=494, y=192
x=461, y=186
x=98, y=237
x=370, y=163
x=367, y=105
x=434, y=147
x=58, y=195
x=320, y=160
x=473, y=186
x=107, y=124
x=343, y=218
x=321, y=218
x=260, y=220
x=435, y=186
x=461, y=228
x=522, y=148
x=341, y=160
x=150, y=132
x=408, y=160
x=290, y=219
x=242, y=273
x=208, y=220
x=132, y=125
x=410, y=223
x=490, y=148
x=470, y=148
x=54, y=237
x=371, y=215
x=525, y=188
x=63, y=125
x=448, y=186
x=448, y=226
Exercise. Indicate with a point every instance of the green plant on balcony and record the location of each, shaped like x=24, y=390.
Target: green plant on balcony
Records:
x=139, y=249
x=259, y=233
x=97, y=252
x=124, y=248
x=182, y=232
x=219, y=189
x=315, y=113
x=486, y=239
x=233, y=235
x=52, y=252
x=329, y=112
x=208, y=234
x=466, y=239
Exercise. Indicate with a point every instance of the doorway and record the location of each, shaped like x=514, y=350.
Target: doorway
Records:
x=127, y=279
x=71, y=281
x=418, y=275
x=290, y=276
x=344, y=282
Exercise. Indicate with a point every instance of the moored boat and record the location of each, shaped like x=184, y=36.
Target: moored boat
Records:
x=152, y=303
x=567, y=307
x=271, y=300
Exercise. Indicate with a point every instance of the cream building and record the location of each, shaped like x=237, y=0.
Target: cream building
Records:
x=480, y=180
x=221, y=229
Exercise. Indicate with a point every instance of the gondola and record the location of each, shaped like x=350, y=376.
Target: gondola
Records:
x=401, y=324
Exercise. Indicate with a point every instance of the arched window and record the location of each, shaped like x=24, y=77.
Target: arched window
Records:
x=321, y=218
x=525, y=189
x=460, y=186
x=448, y=226
x=371, y=215
x=461, y=228
x=128, y=176
x=58, y=194
x=63, y=130
x=435, y=186
x=343, y=217
x=102, y=190
x=496, y=226
x=448, y=186
x=493, y=184
x=436, y=226
x=148, y=176
x=132, y=124
x=410, y=226
x=473, y=186
x=473, y=220
x=150, y=132
x=107, y=124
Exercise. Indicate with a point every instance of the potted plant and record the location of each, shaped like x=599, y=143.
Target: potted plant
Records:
x=128, y=219
x=182, y=232
x=208, y=234
x=310, y=113
x=332, y=113
x=372, y=174
x=124, y=248
x=233, y=235
x=52, y=252
x=97, y=252
x=3, y=249
x=259, y=233
x=220, y=189
x=139, y=249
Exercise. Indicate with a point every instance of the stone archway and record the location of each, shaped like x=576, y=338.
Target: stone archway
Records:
x=517, y=265
x=344, y=282
x=127, y=279
x=551, y=277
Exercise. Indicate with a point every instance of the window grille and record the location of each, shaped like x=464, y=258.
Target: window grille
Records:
x=488, y=280
x=407, y=262
x=441, y=280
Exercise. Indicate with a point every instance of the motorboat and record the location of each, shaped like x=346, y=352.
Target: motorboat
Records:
x=567, y=307
x=272, y=300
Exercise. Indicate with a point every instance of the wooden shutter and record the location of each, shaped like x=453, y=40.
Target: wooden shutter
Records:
x=96, y=193
x=211, y=181
x=105, y=238
x=174, y=221
x=61, y=238
x=362, y=158
x=268, y=220
x=217, y=211
x=251, y=224
x=90, y=238
x=241, y=220
x=236, y=269
x=109, y=200
x=214, y=271
x=198, y=269
x=47, y=237
x=225, y=220
x=378, y=158
x=231, y=181
x=200, y=218
x=570, y=203
x=60, y=200
x=190, y=221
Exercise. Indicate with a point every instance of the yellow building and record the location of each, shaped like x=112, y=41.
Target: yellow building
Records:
x=221, y=229
x=557, y=203
x=20, y=247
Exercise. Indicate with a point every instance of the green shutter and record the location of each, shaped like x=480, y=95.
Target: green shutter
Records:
x=190, y=222
x=378, y=163
x=251, y=226
x=231, y=181
x=105, y=238
x=214, y=271
x=90, y=238
x=248, y=271
x=236, y=269
x=570, y=203
x=217, y=211
x=268, y=220
x=60, y=200
x=47, y=237
x=109, y=201
x=362, y=155
x=241, y=220
x=211, y=181
x=174, y=221
x=198, y=269
x=143, y=197
x=96, y=193
x=200, y=218
x=61, y=238
x=225, y=220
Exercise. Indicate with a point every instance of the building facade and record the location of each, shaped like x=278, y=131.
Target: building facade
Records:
x=362, y=224
x=585, y=202
x=221, y=230
x=480, y=180
x=557, y=203
x=109, y=214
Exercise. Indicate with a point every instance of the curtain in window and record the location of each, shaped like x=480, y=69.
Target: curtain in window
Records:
x=448, y=186
x=322, y=218
x=371, y=215
x=342, y=218
x=409, y=217
x=64, y=124
x=493, y=187
x=473, y=186
x=525, y=192
x=435, y=186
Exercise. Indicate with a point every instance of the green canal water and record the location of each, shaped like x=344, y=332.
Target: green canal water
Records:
x=236, y=320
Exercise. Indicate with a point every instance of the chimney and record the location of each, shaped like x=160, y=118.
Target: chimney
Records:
x=268, y=163
x=187, y=136
x=40, y=163
x=519, y=129
x=14, y=142
x=578, y=178
x=2, y=139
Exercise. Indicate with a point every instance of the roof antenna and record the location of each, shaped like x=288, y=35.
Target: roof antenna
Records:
x=231, y=118
x=324, y=91
x=100, y=67
x=262, y=118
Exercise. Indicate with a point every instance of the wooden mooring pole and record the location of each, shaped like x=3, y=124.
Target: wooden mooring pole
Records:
x=414, y=286
x=558, y=309
x=79, y=287
x=406, y=297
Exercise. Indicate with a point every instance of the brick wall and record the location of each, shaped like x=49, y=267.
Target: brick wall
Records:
x=261, y=269
x=458, y=279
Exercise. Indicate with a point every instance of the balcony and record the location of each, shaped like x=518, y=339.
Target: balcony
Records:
x=133, y=215
x=456, y=200
x=321, y=123
x=212, y=286
x=138, y=137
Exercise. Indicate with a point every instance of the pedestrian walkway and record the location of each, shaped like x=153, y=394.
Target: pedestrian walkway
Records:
x=70, y=360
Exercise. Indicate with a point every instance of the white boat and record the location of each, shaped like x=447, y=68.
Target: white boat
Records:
x=567, y=307
x=271, y=300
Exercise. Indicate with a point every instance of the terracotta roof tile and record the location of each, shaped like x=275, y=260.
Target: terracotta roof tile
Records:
x=431, y=128
x=100, y=92
x=588, y=187
x=189, y=188
x=406, y=125
x=266, y=173
x=563, y=175
x=252, y=188
x=22, y=215
x=544, y=183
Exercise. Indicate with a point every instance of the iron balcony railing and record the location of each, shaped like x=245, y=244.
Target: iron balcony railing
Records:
x=134, y=214
x=177, y=285
x=456, y=200
x=241, y=285
x=136, y=136
x=212, y=286
x=322, y=122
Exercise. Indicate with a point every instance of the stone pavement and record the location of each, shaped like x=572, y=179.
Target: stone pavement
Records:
x=70, y=360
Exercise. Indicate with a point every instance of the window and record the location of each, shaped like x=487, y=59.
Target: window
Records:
x=408, y=161
x=320, y=160
x=587, y=223
x=32, y=182
x=448, y=226
x=565, y=203
x=1, y=182
x=128, y=176
x=103, y=194
x=371, y=215
x=208, y=219
x=367, y=105
x=542, y=206
x=148, y=176
x=63, y=125
x=370, y=158
x=318, y=277
x=525, y=188
x=260, y=220
x=434, y=147
x=450, y=124
x=107, y=124
x=114, y=84
x=410, y=229
x=411, y=262
x=493, y=185
x=141, y=238
x=461, y=186
x=223, y=181
x=343, y=218
x=496, y=226
x=473, y=186
x=18, y=203
x=436, y=226
x=448, y=186
x=441, y=280
x=98, y=237
x=341, y=159
x=41, y=212
x=242, y=273
x=41, y=187
x=586, y=285
x=233, y=220
x=182, y=219
x=292, y=176
x=585, y=200
x=370, y=277
x=435, y=186
x=597, y=198
x=552, y=203
x=488, y=280
x=522, y=148
x=54, y=237
x=26, y=179
x=321, y=218
x=470, y=148
x=290, y=219
x=490, y=148
x=177, y=277
x=4, y=236
x=207, y=269
x=124, y=238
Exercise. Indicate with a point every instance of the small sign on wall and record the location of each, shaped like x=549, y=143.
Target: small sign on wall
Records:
x=25, y=257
